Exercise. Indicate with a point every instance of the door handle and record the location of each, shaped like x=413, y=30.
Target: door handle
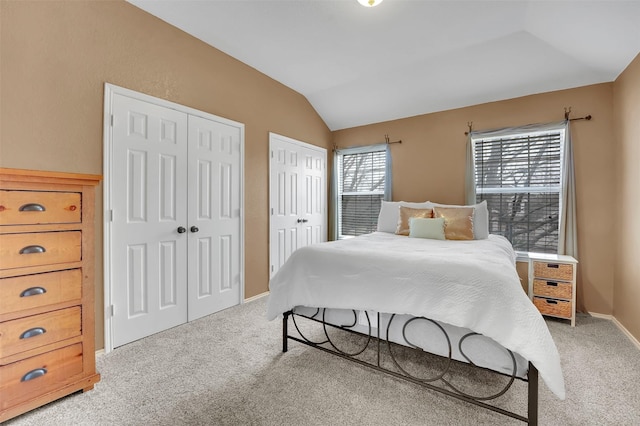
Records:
x=299, y=220
x=194, y=229
x=181, y=230
x=304, y=221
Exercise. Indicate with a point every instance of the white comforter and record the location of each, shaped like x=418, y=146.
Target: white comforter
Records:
x=472, y=284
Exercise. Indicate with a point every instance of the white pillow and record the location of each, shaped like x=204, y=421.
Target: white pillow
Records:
x=421, y=227
x=390, y=213
x=480, y=219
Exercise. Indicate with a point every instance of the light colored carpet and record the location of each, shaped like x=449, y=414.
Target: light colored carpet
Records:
x=228, y=369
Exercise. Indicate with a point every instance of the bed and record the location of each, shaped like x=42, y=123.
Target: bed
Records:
x=381, y=285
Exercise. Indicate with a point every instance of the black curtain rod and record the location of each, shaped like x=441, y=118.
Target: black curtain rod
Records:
x=566, y=117
x=386, y=140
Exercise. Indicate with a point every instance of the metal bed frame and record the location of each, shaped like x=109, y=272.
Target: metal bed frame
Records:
x=446, y=388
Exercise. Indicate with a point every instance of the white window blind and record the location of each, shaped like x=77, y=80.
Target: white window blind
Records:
x=520, y=176
x=361, y=182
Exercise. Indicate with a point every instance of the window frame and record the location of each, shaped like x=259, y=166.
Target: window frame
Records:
x=530, y=132
x=339, y=157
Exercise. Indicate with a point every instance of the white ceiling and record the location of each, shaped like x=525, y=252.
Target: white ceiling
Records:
x=360, y=65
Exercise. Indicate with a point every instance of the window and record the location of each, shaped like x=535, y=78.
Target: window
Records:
x=520, y=177
x=360, y=189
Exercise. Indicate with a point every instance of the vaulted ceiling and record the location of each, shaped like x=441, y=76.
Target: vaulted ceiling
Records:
x=360, y=65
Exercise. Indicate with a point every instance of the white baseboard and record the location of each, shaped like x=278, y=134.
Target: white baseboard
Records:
x=619, y=325
x=256, y=297
x=99, y=352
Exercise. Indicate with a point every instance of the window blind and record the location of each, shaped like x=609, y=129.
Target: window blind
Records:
x=361, y=180
x=520, y=178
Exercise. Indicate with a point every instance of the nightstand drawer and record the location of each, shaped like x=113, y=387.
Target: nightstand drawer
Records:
x=38, y=330
x=39, y=290
x=554, y=271
x=557, y=289
x=553, y=307
x=39, y=248
x=29, y=378
x=36, y=207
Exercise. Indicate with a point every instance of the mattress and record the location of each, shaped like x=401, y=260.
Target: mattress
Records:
x=465, y=284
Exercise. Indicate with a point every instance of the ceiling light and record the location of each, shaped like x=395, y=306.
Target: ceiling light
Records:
x=370, y=3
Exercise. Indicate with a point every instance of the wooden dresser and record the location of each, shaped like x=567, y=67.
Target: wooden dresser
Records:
x=552, y=285
x=47, y=332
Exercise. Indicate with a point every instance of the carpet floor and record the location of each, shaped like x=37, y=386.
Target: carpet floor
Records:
x=228, y=369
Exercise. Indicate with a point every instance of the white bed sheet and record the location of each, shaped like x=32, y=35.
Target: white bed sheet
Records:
x=469, y=284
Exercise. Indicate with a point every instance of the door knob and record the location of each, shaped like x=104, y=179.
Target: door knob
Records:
x=194, y=229
x=181, y=230
x=299, y=220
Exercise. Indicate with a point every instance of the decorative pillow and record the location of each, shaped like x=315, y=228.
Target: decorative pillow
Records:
x=420, y=227
x=390, y=211
x=480, y=218
x=407, y=213
x=458, y=222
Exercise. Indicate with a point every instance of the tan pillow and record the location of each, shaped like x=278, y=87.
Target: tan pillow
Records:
x=407, y=213
x=458, y=222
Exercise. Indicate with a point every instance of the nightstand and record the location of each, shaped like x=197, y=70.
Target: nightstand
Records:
x=552, y=285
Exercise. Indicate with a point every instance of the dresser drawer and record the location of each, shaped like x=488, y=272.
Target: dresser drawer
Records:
x=29, y=378
x=35, y=207
x=558, y=289
x=39, y=290
x=38, y=330
x=39, y=248
x=555, y=271
x=556, y=308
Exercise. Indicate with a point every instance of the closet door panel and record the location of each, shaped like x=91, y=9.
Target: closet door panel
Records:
x=149, y=204
x=214, y=216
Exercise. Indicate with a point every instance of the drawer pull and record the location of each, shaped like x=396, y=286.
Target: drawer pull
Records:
x=32, y=332
x=32, y=207
x=553, y=265
x=34, y=374
x=33, y=291
x=552, y=284
x=551, y=302
x=32, y=250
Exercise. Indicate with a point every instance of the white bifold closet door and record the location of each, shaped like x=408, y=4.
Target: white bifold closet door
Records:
x=298, y=195
x=176, y=225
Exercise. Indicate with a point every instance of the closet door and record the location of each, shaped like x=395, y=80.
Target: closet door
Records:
x=149, y=205
x=214, y=178
x=297, y=193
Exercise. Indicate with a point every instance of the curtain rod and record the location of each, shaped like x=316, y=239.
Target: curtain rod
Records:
x=568, y=111
x=566, y=117
x=386, y=140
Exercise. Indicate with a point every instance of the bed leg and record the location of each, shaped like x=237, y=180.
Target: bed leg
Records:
x=533, y=395
x=285, y=331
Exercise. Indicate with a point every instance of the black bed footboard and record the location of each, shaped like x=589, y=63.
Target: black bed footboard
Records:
x=372, y=354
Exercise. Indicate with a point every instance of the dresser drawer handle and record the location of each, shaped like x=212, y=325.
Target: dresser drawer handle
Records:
x=32, y=250
x=33, y=291
x=551, y=302
x=32, y=207
x=34, y=374
x=33, y=332
x=552, y=284
x=553, y=265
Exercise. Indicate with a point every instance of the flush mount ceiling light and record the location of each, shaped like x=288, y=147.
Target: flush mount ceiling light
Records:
x=370, y=3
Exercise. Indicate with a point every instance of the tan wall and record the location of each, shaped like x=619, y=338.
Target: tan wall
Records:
x=626, y=107
x=56, y=57
x=430, y=165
